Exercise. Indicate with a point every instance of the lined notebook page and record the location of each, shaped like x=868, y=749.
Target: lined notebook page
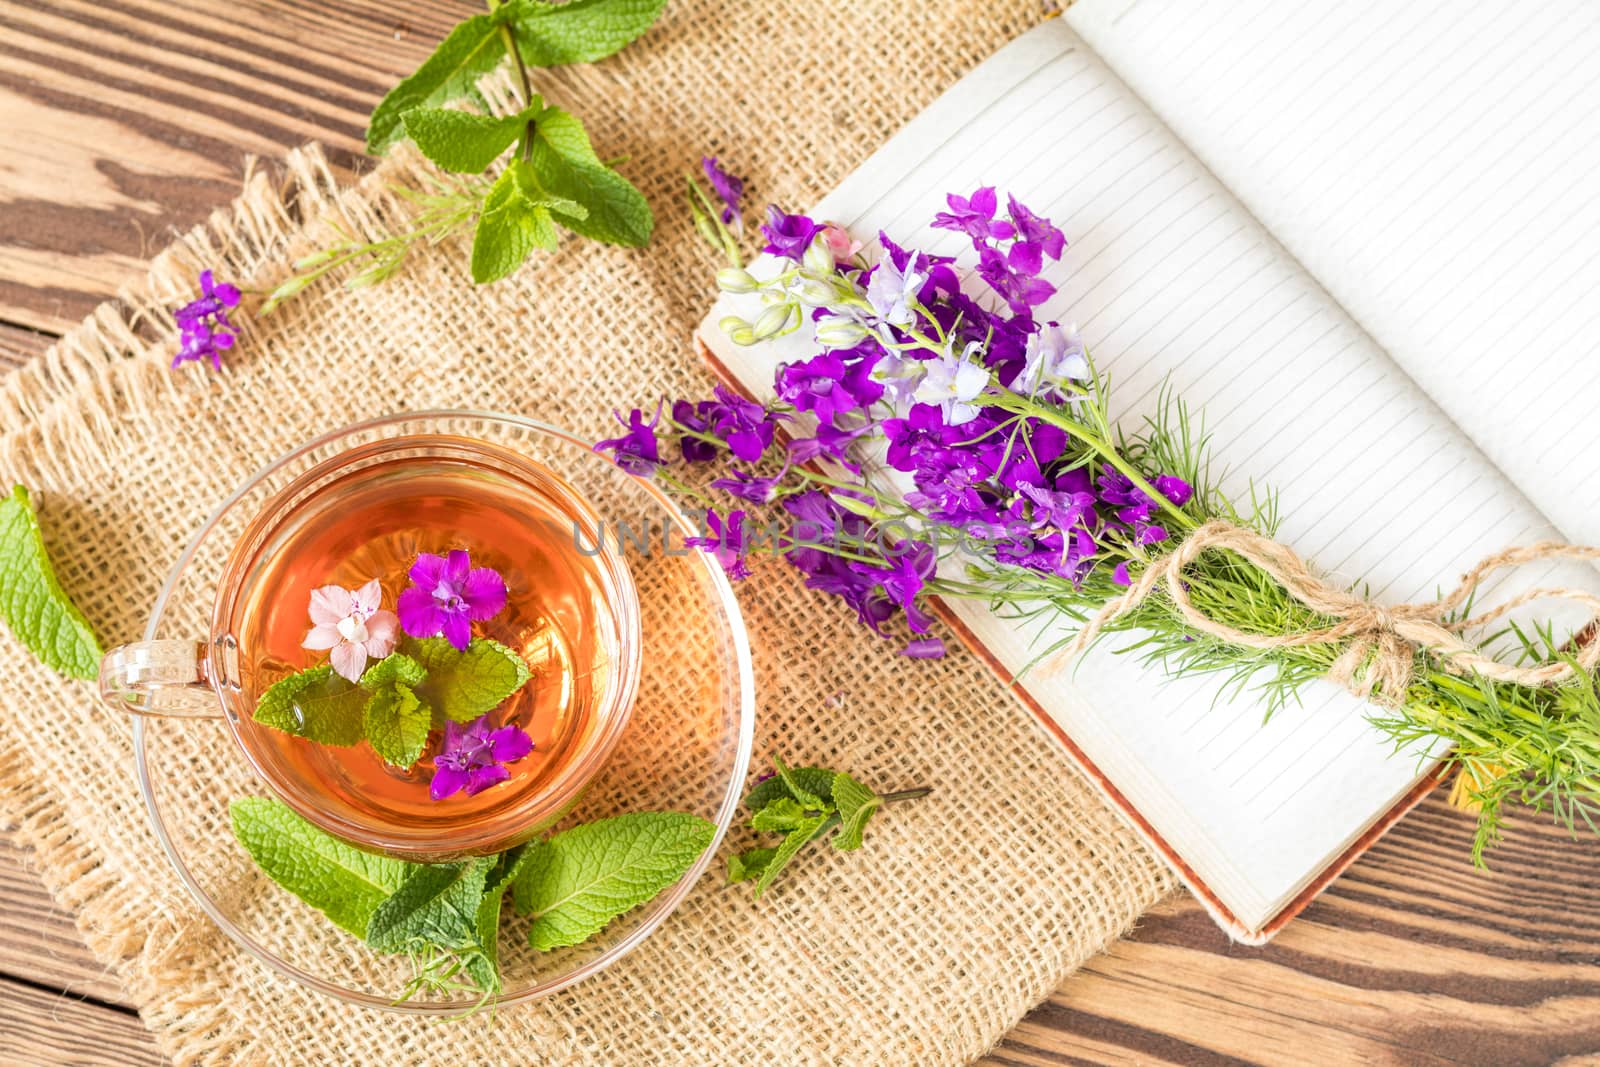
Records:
x=1437, y=167
x=1168, y=276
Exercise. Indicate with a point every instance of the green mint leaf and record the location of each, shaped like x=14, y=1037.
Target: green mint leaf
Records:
x=744, y=867
x=484, y=966
x=437, y=904
x=510, y=226
x=798, y=838
x=614, y=211
x=815, y=781
x=580, y=879
x=396, y=725
x=470, y=51
x=856, y=805
x=564, y=132
x=581, y=31
x=33, y=603
x=810, y=799
x=459, y=141
x=463, y=685
x=782, y=815
x=315, y=704
x=339, y=880
x=395, y=667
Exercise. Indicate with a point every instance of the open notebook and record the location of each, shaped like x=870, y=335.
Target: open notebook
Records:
x=1364, y=244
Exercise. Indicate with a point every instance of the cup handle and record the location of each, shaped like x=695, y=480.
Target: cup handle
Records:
x=161, y=678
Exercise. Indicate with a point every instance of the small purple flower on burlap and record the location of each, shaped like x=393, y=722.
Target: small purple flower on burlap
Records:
x=474, y=756
x=729, y=190
x=725, y=541
x=449, y=596
x=635, y=451
x=203, y=326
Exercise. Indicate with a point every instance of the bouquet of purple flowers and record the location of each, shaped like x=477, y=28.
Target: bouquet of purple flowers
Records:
x=945, y=442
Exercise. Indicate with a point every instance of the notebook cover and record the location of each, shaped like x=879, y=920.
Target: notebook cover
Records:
x=1230, y=923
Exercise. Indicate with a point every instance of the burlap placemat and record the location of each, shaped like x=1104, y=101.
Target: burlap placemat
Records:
x=924, y=948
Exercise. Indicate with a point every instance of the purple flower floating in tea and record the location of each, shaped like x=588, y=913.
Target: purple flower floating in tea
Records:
x=203, y=326
x=352, y=626
x=473, y=757
x=448, y=596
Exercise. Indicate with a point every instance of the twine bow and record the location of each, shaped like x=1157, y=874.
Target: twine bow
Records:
x=1383, y=641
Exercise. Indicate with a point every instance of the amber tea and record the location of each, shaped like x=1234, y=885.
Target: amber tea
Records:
x=481, y=558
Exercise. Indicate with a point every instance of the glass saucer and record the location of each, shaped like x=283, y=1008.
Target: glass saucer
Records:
x=686, y=746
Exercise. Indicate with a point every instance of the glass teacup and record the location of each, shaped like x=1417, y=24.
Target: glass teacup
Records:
x=367, y=512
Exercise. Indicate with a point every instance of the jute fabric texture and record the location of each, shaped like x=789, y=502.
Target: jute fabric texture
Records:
x=964, y=909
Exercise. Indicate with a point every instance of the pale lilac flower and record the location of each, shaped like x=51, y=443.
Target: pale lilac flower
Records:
x=891, y=292
x=952, y=382
x=473, y=757
x=351, y=625
x=1053, y=355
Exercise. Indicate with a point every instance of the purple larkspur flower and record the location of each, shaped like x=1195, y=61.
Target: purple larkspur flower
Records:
x=1036, y=229
x=788, y=235
x=902, y=578
x=473, y=757
x=827, y=386
x=1061, y=508
x=635, y=451
x=1013, y=275
x=724, y=539
x=832, y=442
x=924, y=648
x=1136, y=508
x=204, y=331
x=974, y=216
x=747, y=486
x=729, y=190
x=745, y=426
x=695, y=418
x=448, y=596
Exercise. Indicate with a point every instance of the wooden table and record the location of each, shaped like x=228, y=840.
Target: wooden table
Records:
x=126, y=118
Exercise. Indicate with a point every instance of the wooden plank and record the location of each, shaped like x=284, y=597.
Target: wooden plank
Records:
x=1412, y=957
x=49, y=1029
x=129, y=120
x=17, y=345
x=39, y=941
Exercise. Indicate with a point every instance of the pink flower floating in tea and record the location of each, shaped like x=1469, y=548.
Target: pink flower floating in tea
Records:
x=473, y=756
x=352, y=626
x=448, y=596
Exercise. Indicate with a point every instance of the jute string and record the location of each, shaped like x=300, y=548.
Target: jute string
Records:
x=1383, y=641
x=924, y=948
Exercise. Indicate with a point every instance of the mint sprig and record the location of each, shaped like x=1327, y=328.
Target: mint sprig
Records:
x=36, y=609
x=803, y=804
x=399, y=701
x=447, y=916
x=554, y=177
